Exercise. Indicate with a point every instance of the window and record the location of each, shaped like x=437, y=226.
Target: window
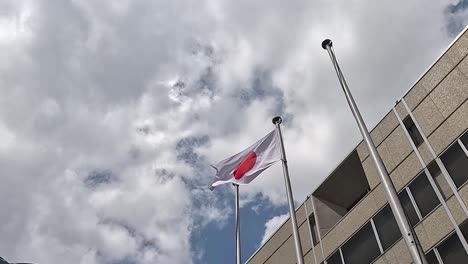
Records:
x=408, y=206
x=387, y=227
x=423, y=194
x=313, y=229
x=362, y=248
x=439, y=180
x=464, y=139
x=335, y=258
x=456, y=162
x=431, y=257
x=464, y=229
x=452, y=252
x=413, y=131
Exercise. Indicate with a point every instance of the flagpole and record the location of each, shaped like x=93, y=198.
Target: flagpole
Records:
x=292, y=212
x=238, y=249
x=406, y=229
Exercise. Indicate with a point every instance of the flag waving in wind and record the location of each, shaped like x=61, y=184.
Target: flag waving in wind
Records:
x=243, y=167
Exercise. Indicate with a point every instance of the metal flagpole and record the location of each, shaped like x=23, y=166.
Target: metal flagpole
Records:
x=238, y=249
x=292, y=212
x=406, y=229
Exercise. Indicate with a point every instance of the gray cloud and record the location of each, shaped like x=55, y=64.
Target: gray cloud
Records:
x=151, y=92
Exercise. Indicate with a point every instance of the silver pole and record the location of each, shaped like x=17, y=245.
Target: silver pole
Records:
x=292, y=212
x=238, y=249
x=406, y=229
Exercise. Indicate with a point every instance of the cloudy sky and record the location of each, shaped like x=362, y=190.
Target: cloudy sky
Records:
x=112, y=110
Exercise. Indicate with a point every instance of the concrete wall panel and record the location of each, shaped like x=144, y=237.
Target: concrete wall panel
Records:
x=371, y=173
x=387, y=125
x=401, y=253
x=459, y=49
x=464, y=193
x=397, y=180
x=362, y=151
x=309, y=258
x=426, y=155
x=437, y=225
x=459, y=120
x=301, y=214
x=286, y=254
x=409, y=168
x=422, y=236
x=456, y=210
x=450, y=93
x=428, y=116
x=273, y=243
x=318, y=253
x=376, y=136
x=463, y=66
x=401, y=109
x=415, y=96
x=386, y=157
x=435, y=75
x=398, y=145
x=304, y=234
x=349, y=224
x=380, y=197
x=450, y=130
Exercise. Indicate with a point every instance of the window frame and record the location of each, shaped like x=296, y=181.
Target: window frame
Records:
x=459, y=142
x=413, y=131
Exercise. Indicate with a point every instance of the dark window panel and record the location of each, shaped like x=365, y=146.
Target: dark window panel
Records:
x=413, y=131
x=408, y=206
x=431, y=257
x=423, y=194
x=387, y=227
x=439, y=180
x=452, y=252
x=456, y=162
x=335, y=258
x=313, y=228
x=464, y=229
x=362, y=248
x=464, y=139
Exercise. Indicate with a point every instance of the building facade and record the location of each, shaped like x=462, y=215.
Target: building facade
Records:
x=423, y=142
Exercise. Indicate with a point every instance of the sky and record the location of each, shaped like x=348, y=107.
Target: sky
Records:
x=112, y=111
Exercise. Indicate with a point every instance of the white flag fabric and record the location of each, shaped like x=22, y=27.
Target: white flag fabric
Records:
x=245, y=166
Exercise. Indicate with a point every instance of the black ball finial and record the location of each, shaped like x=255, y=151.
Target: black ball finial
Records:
x=276, y=119
x=326, y=43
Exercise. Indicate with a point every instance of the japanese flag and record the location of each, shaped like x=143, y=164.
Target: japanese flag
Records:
x=245, y=166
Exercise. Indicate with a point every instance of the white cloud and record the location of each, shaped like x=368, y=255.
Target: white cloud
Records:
x=272, y=225
x=143, y=95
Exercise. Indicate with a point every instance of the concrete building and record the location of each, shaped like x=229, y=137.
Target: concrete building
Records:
x=423, y=142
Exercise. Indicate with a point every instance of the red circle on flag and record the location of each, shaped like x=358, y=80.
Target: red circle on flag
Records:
x=246, y=164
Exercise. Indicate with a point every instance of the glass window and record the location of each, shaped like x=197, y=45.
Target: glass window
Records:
x=423, y=194
x=362, y=248
x=464, y=229
x=387, y=227
x=456, y=162
x=408, y=206
x=439, y=180
x=313, y=228
x=431, y=257
x=464, y=139
x=452, y=252
x=335, y=258
x=413, y=131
